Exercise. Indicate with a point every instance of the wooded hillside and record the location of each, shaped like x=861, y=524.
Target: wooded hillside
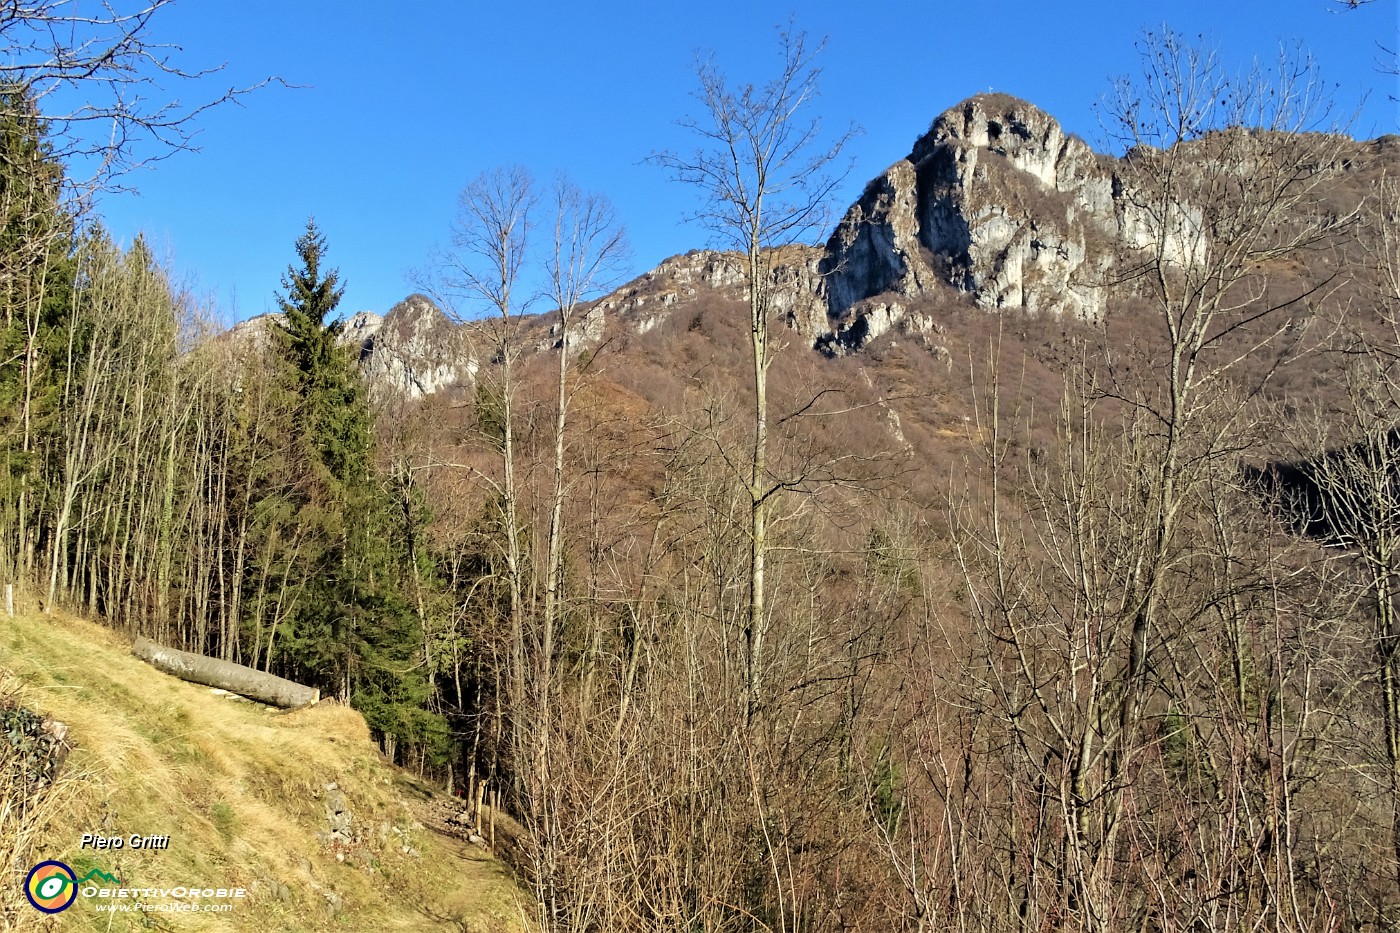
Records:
x=981, y=622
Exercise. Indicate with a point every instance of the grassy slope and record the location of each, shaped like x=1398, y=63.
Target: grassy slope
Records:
x=241, y=790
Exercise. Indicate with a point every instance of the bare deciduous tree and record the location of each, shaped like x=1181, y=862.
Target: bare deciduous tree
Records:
x=1143, y=652
x=764, y=168
x=1345, y=487
x=482, y=268
x=588, y=245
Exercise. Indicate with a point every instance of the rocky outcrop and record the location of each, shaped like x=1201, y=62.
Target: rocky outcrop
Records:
x=995, y=200
x=359, y=329
x=411, y=352
x=415, y=350
x=648, y=300
x=798, y=292
x=255, y=334
x=873, y=318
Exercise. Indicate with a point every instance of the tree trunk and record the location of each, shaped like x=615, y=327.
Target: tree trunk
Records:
x=225, y=675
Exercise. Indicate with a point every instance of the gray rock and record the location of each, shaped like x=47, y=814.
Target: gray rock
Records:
x=416, y=351
x=995, y=200
x=798, y=295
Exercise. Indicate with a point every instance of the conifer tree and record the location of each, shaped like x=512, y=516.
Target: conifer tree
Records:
x=334, y=416
x=329, y=471
x=356, y=633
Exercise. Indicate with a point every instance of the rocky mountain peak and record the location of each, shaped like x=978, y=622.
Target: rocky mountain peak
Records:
x=647, y=301
x=359, y=329
x=1027, y=136
x=996, y=200
x=995, y=203
x=416, y=350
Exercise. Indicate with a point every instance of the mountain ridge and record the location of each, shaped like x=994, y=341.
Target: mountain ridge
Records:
x=996, y=206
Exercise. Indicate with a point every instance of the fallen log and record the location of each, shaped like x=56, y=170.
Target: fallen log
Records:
x=235, y=678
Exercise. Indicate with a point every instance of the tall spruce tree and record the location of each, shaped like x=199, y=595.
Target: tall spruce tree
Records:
x=330, y=445
x=355, y=633
x=333, y=415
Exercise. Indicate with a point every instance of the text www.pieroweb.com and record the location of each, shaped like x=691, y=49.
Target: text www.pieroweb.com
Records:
x=173, y=907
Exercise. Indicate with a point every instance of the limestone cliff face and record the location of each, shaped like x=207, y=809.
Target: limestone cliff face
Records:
x=411, y=352
x=995, y=200
x=648, y=300
x=359, y=329
x=415, y=350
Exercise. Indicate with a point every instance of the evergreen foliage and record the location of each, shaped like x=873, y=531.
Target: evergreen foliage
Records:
x=333, y=412
x=36, y=274
x=355, y=632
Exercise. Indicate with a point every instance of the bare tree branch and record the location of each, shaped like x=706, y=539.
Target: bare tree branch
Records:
x=105, y=88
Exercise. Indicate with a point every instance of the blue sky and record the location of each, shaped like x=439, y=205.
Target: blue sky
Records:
x=401, y=104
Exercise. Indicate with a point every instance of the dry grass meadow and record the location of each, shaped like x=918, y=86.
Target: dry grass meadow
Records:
x=242, y=792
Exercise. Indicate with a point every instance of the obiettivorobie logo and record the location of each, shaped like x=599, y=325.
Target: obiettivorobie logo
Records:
x=52, y=886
